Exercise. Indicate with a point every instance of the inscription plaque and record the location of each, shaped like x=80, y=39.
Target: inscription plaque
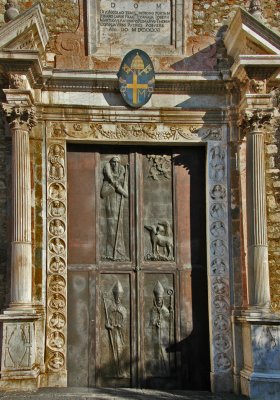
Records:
x=131, y=22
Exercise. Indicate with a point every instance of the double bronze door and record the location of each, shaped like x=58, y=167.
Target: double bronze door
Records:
x=133, y=253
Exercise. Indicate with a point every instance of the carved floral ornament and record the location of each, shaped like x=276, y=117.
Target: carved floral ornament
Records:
x=19, y=116
x=135, y=132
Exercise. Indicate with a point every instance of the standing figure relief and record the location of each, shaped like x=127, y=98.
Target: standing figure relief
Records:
x=113, y=191
x=115, y=323
x=162, y=331
x=217, y=163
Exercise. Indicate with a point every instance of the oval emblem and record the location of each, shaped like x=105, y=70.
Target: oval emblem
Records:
x=136, y=78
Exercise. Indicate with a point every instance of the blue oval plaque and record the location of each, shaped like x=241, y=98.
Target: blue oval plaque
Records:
x=136, y=78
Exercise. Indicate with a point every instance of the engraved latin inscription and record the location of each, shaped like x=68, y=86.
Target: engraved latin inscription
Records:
x=135, y=22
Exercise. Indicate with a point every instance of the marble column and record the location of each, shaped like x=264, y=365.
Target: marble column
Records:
x=258, y=271
x=21, y=120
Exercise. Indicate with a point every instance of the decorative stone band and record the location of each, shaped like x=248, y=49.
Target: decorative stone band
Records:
x=57, y=258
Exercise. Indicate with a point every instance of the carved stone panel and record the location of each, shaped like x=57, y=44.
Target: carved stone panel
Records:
x=56, y=259
x=18, y=346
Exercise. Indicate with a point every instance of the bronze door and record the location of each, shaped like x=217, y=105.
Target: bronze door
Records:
x=136, y=234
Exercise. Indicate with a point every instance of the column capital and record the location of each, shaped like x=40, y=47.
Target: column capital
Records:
x=20, y=117
x=255, y=120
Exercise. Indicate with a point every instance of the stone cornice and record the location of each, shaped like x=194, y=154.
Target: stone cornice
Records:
x=31, y=19
x=94, y=81
x=245, y=26
x=26, y=62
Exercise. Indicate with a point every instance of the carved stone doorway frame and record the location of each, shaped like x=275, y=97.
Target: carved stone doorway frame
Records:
x=139, y=130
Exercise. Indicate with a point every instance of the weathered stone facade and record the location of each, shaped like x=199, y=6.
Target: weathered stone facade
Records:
x=216, y=87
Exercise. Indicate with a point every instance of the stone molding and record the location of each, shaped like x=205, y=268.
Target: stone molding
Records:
x=134, y=132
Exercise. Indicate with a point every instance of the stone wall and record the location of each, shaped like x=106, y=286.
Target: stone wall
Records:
x=5, y=214
x=210, y=15
x=273, y=209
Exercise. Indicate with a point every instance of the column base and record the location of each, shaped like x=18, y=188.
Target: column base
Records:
x=20, y=380
x=260, y=386
x=260, y=376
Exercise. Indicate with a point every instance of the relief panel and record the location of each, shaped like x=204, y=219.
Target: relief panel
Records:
x=114, y=208
x=115, y=329
x=158, y=207
x=159, y=325
x=17, y=346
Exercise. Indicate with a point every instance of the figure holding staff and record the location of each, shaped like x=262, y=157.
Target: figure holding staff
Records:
x=114, y=190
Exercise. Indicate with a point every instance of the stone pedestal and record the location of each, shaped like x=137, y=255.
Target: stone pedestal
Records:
x=18, y=361
x=260, y=376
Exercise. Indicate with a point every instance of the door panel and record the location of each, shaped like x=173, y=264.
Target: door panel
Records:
x=131, y=255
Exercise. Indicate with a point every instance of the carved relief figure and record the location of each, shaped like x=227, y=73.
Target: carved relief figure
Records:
x=57, y=191
x=221, y=322
x=56, y=162
x=220, y=286
x=218, y=229
x=57, y=208
x=217, y=210
x=160, y=167
x=56, y=340
x=218, y=266
x=116, y=319
x=57, y=302
x=57, y=227
x=218, y=192
x=218, y=248
x=222, y=361
x=217, y=163
x=161, y=237
x=57, y=265
x=114, y=191
x=57, y=246
x=161, y=324
x=220, y=304
x=57, y=321
x=56, y=361
x=57, y=283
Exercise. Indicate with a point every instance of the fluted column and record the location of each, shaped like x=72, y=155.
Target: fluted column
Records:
x=21, y=121
x=258, y=272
